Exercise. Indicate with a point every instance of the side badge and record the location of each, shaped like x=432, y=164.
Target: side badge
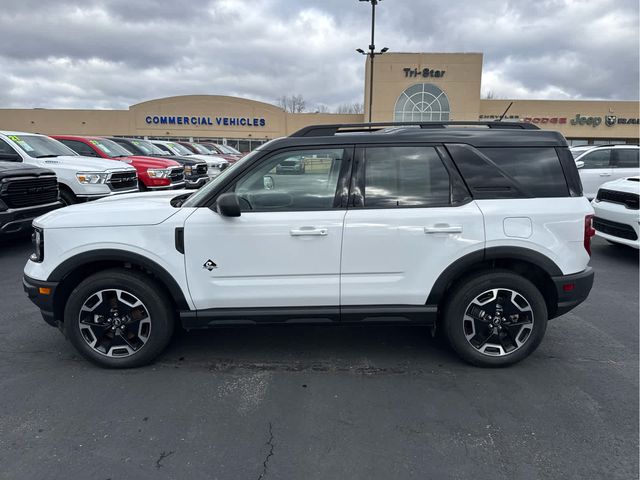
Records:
x=209, y=265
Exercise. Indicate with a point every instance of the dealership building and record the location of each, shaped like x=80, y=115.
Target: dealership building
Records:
x=407, y=87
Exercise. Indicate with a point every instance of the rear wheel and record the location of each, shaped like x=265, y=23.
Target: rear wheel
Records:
x=495, y=319
x=119, y=319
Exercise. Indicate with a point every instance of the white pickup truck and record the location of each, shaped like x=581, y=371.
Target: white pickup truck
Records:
x=79, y=178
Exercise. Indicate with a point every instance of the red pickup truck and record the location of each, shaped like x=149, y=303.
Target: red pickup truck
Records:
x=153, y=173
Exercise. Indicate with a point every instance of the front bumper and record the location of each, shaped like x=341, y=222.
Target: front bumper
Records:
x=41, y=294
x=622, y=224
x=197, y=182
x=572, y=290
x=18, y=220
x=173, y=186
x=110, y=193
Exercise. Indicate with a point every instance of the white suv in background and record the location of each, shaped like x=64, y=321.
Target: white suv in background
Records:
x=617, y=211
x=604, y=163
x=82, y=178
x=215, y=163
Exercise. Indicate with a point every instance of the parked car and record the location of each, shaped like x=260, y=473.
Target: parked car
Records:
x=617, y=211
x=215, y=164
x=195, y=171
x=226, y=151
x=202, y=149
x=79, y=178
x=482, y=232
x=153, y=173
x=292, y=165
x=604, y=163
x=26, y=192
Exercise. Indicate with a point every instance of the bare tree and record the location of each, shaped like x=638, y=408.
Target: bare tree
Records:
x=350, y=108
x=490, y=95
x=292, y=103
x=321, y=108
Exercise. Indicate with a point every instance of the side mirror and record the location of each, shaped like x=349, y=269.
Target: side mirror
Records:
x=228, y=205
x=268, y=182
x=579, y=164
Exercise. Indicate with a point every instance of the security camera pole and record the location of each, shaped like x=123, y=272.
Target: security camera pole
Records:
x=372, y=51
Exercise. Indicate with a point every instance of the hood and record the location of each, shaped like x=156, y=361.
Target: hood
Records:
x=149, y=208
x=179, y=159
x=14, y=169
x=628, y=185
x=83, y=164
x=214, y=160
x=152, y=162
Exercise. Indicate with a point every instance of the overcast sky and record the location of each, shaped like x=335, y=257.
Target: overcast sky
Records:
x=114, y=53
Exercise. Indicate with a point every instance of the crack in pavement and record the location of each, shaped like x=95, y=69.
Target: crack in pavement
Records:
x=269, y=455
x=163, y=455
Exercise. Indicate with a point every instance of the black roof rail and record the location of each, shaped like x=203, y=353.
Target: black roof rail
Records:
x=332, y=129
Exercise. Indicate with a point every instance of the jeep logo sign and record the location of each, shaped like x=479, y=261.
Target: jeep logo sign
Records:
x=580, y=120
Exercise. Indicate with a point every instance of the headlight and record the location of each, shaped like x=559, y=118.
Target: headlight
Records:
x=158, y=172
x=37, y=238
x=92, y=178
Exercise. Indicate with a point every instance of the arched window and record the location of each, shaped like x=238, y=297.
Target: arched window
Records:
x=423, y=102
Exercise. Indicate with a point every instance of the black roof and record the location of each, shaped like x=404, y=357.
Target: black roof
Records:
x=478, y=134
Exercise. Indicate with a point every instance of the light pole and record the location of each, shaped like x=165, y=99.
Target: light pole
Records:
x=372, y=51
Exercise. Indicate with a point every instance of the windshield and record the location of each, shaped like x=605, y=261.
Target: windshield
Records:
x=202, y=149
x=41, y=147
x=194, y=199
x=111, y=148
x=228, y=149
x=148, y=148
x=178, y=149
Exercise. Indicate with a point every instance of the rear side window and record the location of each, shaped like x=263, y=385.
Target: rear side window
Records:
x=625, y=158
x=405, y=177
x=536, y=170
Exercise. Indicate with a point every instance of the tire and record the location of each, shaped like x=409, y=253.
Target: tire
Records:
x=141, y=186
x=508, y=339
x=115, y=338
x=67, y=197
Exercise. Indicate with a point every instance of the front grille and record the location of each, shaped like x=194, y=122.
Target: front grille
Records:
x=201, y=169
x=615, y=229
x=123, y=180
x=176, y=175
x=629, y=200
x=23, y=192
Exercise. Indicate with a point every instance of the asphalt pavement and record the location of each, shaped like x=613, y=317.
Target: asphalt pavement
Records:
x=302, y=402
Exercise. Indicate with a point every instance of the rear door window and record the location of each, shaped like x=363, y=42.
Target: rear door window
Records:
x=625, y=158
x=405, y=177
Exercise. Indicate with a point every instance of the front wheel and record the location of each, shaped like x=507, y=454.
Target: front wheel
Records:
x=495, y=319
x=119, y=319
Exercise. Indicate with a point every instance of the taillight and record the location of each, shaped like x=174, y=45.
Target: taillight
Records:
x=588, y=232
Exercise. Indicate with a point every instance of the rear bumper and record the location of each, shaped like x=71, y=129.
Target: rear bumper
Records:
x=18, y=220
x=37, y=292
x=572, y=290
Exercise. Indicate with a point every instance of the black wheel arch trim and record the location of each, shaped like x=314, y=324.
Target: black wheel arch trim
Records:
x=122, y=256
x=466, y=262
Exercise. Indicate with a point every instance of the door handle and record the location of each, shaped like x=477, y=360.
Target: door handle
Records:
x=443, y=229
x=309, y=231
x=605, y=174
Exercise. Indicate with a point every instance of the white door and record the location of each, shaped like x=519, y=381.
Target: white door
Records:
x=625, y=162
x=405, y=233
x=284, y=249
x=595, y=171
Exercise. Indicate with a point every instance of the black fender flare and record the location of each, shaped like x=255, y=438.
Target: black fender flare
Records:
x=467, y=262
x=121, y=256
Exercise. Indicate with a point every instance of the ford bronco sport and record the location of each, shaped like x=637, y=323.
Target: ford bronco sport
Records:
x=479, y=229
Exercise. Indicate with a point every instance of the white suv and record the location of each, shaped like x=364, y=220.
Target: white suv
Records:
x=79, y=178
x=617, y=211
x=604, y=163
x=481, y=230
